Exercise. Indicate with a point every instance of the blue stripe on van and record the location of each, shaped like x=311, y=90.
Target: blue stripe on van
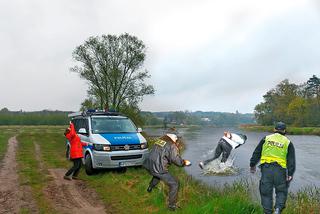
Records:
x=122, y=138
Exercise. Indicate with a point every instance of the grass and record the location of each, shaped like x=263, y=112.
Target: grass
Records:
x=5, y=133
x=290, y=130
x=125, y=191
x=307, y=200
x=30, y=171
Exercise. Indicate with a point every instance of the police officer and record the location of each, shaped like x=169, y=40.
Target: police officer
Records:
x=277, y=158
x=164, y=152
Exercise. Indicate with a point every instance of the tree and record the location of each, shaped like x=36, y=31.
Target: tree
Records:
x=113, y=67
x=276, y=102
x=294, y=104
x=313, y=86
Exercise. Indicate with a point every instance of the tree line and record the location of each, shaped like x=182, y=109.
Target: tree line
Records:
x=174, y=118
x=44, y=117
x=295, y=104
x=196, y=118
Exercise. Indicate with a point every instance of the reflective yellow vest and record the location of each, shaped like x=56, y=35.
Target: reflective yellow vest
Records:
x=275, y=149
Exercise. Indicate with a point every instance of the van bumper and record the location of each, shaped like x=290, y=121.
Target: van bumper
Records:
x=118, y=159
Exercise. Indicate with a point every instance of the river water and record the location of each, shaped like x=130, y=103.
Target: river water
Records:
x=201, y=143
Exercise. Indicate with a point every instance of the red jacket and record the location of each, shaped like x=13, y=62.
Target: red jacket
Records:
x=75, y=143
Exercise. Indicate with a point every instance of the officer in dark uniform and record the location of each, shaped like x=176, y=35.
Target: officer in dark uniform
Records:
x=277, y=158
x=164, y=152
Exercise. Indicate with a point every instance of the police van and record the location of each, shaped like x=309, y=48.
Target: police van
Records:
x=114, y=140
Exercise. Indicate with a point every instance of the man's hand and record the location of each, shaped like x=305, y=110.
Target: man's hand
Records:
x=289, y=178
x=186, y=163
x=253, y=169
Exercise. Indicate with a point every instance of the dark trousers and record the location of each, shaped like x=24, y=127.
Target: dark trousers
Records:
x=222, y=147
x=74, y=170
x=273, y=176
x=169, y=180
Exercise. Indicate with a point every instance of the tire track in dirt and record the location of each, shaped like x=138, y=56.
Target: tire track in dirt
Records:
x=13, y=197
x=69, y=196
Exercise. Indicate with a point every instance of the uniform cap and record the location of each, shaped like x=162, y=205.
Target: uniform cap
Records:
x=280, y=126
x=173, y=137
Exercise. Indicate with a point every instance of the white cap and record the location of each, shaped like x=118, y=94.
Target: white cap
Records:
x=173, y=137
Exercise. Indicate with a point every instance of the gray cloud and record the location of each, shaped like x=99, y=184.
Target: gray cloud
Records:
x=202, y=56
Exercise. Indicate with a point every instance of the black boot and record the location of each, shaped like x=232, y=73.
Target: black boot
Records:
x=149, y=189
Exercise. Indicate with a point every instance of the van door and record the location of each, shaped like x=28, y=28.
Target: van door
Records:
x=83, y=123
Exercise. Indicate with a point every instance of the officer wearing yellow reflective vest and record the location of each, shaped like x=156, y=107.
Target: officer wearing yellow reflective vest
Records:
x=277, y=158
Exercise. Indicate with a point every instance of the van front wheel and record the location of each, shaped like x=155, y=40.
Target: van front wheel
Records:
x=88, y=165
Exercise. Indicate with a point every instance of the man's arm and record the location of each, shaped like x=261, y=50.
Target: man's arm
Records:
x=174, y=156
x=257, y=153
x=291, y=160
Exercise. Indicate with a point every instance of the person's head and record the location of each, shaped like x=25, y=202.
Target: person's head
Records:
x=227, y=134
x=67, y=131
x=280, y=127
x=245, y=137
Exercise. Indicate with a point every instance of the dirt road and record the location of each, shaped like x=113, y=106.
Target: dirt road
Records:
x=63, y=195
x=10, y=194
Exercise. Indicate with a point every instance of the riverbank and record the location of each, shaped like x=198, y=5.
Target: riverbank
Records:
x=42, y=150
x=290, y=130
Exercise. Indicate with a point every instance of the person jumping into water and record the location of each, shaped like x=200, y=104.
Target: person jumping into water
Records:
x=226, y=144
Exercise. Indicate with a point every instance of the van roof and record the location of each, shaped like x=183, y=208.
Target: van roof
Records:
x=95, y=112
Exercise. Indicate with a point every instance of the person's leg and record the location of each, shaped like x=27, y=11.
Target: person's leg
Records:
x=78, y=164
x=217, y=154
x=71, y=170
x=226, y=151
x=154, y=181
x=281, y=188
x=173, y=189
x=266, y=188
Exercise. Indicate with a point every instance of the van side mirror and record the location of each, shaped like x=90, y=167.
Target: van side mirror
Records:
x=139, y=130
x=82, y=131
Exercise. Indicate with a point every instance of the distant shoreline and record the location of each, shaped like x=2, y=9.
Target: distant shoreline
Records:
x=290, y=129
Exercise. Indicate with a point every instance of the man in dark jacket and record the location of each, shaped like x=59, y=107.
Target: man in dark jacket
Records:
x=164, y=152
x=277, y=158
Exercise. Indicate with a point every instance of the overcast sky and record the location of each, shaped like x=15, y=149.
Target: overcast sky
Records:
x=202, y=55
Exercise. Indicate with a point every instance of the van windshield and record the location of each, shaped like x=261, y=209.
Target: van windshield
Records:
x=100, y=125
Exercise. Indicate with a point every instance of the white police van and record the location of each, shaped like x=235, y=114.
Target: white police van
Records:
x=114, y=140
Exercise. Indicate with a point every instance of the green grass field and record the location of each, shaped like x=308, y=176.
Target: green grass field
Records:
x=5, y=133
x=125, y=191
x=290, y=130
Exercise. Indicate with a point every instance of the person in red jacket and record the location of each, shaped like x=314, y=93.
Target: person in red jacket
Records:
x=76, y=153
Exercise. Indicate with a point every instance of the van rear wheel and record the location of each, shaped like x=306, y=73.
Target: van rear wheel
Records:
x=88, y=165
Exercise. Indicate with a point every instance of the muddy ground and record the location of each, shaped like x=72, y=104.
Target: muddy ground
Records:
x=64, y=195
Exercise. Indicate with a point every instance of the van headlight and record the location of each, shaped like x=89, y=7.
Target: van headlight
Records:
x=143, y=145
x=101, y=147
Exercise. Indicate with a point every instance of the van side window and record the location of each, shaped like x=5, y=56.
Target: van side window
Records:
x=86, y=124
x=77, y=124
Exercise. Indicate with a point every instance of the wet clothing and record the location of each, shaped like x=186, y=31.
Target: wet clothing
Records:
x=163, y=154
x=74, y=171
x=273, y=173
x=75, y=143
x=225, y=146
x=222, y=147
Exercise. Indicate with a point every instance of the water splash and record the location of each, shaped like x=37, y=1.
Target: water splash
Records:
x=215, y=167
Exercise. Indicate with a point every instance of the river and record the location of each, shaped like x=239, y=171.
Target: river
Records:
x=201, y=142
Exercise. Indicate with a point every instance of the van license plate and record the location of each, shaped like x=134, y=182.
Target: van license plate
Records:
x=122, y=164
